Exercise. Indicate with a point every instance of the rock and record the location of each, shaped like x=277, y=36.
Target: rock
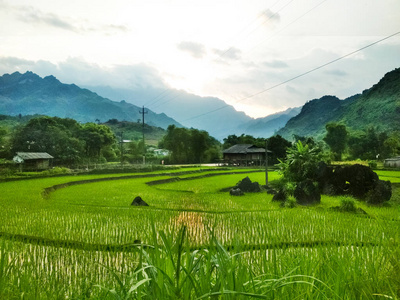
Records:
x=382, y=192
x=236, y=192
x=245, y=185
x=306, y=192
x=280, y=196
x=138, y=201
x=355, y=180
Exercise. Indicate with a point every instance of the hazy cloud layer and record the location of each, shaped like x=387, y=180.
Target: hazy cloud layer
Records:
x=33, y=16
x=244, y=54
x=196, y=50
x=230, y=53
x=276, y=64
x=270, y=18
x=36, y=17
x=80, y=72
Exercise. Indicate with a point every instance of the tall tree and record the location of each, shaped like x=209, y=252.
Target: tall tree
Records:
x=46, y=134
x=301, y=163
x=96, y=137
x=189, y=145
x=65, y=139
x=278, y=147
x=336, y=138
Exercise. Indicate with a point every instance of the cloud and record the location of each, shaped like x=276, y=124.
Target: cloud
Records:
x=270, y=18
x=80, y=72
x=33, y=16
x=15, y=63
x=29, y=14
x=196, y=50
x=276, y=64
x=230, y=53
x=56, y=21
x=336, y=72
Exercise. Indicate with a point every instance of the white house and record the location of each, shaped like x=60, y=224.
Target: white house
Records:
x=393, y=162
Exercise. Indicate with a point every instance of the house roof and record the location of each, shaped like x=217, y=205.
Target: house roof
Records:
x=393, y=158
x=243, y=149
x=34, y=155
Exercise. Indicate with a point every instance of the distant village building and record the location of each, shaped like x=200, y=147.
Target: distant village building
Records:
x=393, y=162
x=161, y=152
x=244, y=154
x=33, y=160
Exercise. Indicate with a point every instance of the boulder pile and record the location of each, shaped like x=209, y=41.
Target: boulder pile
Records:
x=358, y=181
x=244, y=186
x=355, y=180
x=138, y=201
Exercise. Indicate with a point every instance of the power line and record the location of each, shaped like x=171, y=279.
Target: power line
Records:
x=167, y=91
x=296, y=77
x=291, y=23
x=269, y=18
x=230, y=48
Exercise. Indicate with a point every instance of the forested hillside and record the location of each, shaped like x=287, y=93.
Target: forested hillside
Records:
x=29, y=94
x=377, y=107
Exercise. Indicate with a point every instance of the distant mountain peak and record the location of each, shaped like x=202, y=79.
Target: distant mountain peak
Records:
x=29, y=94
x=378, y=106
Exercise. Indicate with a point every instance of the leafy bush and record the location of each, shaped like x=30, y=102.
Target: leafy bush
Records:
x=57, y=171
x=300, y=172
x=7, y=172
x=301, y=163
x=372, y=164
x=347, y=204
x=380, y=194
x=289, y=203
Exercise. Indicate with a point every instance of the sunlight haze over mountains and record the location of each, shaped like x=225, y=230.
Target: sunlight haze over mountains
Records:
x=243, y=52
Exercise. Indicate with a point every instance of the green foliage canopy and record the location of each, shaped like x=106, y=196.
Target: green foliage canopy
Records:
x=190, y=145
x=65, y=139
x=336, y=138
x=301, y=163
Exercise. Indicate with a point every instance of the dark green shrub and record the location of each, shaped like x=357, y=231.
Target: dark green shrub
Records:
x=372, y=164
x=307, y=192
x=347, y=204
x=381, y=193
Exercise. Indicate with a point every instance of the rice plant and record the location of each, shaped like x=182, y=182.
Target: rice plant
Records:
x=194, y=241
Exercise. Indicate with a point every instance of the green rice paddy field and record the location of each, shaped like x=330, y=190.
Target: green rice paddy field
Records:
x=60, y=240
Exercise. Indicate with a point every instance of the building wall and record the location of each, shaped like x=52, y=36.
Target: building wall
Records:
x=40, y=164
x=392, y=163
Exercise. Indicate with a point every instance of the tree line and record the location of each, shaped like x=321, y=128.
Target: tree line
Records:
x=72, y=143
x=68, y=141
x=368, y=144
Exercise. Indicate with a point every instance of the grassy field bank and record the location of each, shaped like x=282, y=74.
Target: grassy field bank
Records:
x=194, y=240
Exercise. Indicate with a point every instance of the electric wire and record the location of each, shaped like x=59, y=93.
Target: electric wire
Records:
x=291, y=23
x=295, y=77
x=168, y=91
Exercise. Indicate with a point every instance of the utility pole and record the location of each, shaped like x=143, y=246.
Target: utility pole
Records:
x=144, y=147
x=122, y=148
x=266, y=162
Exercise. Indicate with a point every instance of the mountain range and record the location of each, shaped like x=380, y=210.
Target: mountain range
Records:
x=378, y=106
x=28, y=93
x=207, y=113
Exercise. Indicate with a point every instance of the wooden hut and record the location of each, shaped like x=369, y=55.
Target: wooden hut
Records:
x=33, y=160
x=244, y=154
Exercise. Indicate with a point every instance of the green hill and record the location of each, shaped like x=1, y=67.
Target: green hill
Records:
x=29, y=94
x=130, y=130
x=133, y=131
x=378, y=106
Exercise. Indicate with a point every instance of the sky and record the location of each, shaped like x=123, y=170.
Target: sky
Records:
x=254, y=54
